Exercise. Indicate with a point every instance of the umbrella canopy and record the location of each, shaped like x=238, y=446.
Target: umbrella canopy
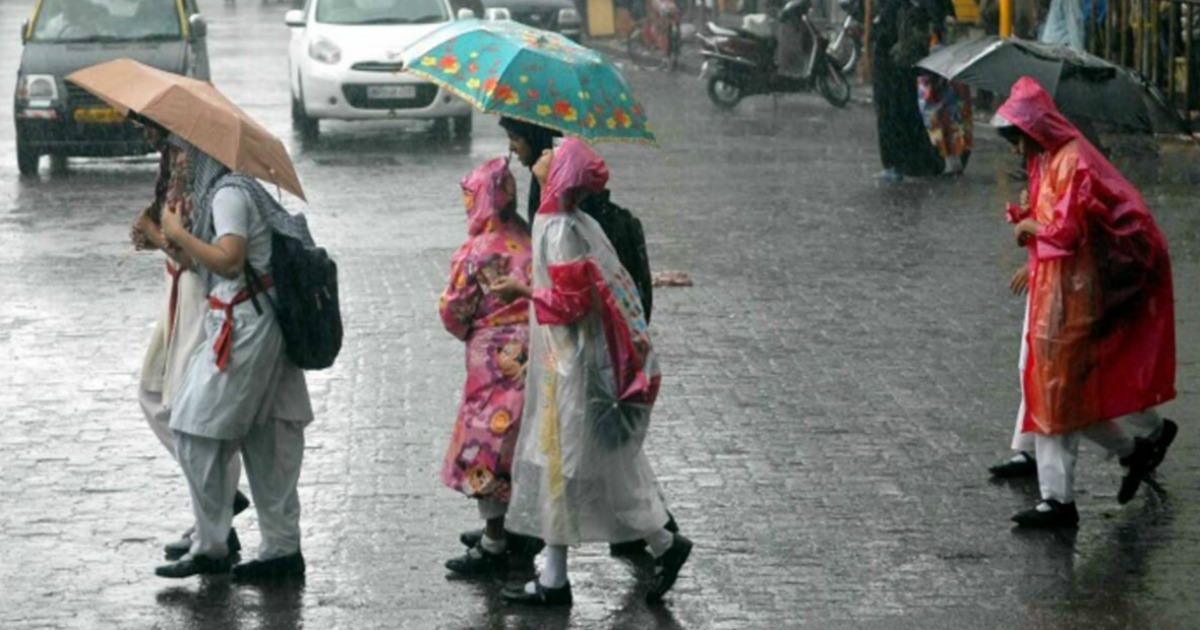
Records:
x=195, y=111
x=1082, y=85
x=503, y=67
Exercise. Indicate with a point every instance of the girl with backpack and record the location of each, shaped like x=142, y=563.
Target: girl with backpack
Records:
x=240, y=392
x=179, y=329
x=479, y=460
x=580, y=474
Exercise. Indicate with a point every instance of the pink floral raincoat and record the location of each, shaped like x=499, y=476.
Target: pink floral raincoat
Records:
x=479, y=460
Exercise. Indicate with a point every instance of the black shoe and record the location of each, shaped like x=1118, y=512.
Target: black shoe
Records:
x=667, y=567
x=269, y=570
x=471, y=539
x=196, y=565
x=1059, y=515
x=543, y=596
x=1139, y=464
x=522, y=547
x=1015, y=468
x=1169, y=431
x=176, y=550
x=240, y=503
x=631, y=548
x=478, y=562
x=635, y=547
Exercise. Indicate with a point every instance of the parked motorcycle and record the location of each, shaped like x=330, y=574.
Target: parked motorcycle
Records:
x=739, y=63
x=846, y=46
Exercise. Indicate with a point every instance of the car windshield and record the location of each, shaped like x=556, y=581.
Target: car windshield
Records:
x=107, y=20
x=382, y=11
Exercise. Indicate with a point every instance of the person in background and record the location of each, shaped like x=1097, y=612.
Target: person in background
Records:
x=900, y=38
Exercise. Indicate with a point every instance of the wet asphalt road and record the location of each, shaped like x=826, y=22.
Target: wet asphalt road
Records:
x=835, y=385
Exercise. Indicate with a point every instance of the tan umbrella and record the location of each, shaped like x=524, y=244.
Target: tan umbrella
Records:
x=195, y=111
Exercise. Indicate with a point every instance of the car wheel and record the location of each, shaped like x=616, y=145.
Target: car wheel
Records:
x=27, y=159
x=441, y=128
x=463, y=126
x=308, y=128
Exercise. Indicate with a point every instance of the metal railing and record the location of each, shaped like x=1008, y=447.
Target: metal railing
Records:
x=1160, y=39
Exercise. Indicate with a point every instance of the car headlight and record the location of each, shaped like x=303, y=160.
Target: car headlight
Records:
x=37, y=87
x=568, y=16
x=497, y=14
x=324, y=51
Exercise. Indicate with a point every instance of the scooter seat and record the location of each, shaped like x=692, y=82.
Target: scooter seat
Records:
x=717, y=29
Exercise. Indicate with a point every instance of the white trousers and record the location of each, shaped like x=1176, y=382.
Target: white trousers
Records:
x=272, y=453
x=159, y=420
x=1056, y=454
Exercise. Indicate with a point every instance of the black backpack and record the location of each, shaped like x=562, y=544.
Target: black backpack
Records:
x=306, y=287
x=625, y=233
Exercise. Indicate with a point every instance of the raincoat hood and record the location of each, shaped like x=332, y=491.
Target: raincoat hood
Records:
x=486, y=193
x=575, y=171
x=1030, y=109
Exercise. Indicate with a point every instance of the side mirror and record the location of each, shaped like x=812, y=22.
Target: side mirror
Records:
x=198, y=26
x=466, y=14
x=25, y=32
x=294, y=18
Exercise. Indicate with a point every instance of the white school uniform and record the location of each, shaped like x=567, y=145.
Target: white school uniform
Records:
x=258, y=404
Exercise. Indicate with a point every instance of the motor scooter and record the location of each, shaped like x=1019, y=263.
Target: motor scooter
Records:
x=846, y=45
x=740, y=63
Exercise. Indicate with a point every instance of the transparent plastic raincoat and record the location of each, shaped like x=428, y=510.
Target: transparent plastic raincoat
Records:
x=580, y=474
x=1101, y=336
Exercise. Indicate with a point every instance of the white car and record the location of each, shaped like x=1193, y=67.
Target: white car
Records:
x=344, y=63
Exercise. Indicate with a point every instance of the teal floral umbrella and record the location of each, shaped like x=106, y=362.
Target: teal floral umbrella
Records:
x=506, y=68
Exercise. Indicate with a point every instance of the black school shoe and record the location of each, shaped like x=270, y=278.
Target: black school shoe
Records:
x=478, y=562
x=1169, y=431
x=635, y=547
x=176, y=550
x=542, y=596
x=667, y=567
x=526, y=547
x=270, y=570
x=1015, y=468
x=240, y=503
x=196, y=565
x=1140, y=464
x=1059, y=515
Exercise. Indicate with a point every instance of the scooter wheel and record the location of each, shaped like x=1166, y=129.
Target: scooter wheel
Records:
x=833, y=85
x=723, y=92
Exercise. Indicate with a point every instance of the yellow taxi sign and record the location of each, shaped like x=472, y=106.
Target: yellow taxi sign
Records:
x=98, y=115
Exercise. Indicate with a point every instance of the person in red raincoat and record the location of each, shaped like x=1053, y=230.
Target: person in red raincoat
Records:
x=1101, y=330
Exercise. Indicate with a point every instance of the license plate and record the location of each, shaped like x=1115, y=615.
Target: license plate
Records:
x=386, y=92
x=98, y=115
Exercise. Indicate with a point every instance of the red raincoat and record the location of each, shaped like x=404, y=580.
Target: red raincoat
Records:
x=1101, y=319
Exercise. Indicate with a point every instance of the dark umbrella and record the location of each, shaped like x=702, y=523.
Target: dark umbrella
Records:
x=1082, y=85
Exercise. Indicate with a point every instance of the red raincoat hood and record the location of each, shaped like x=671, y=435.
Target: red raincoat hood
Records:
x=486, y=195
x=1032, y=110
x=576, y=170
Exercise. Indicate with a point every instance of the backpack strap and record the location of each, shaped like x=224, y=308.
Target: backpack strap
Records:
x=252, y=285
